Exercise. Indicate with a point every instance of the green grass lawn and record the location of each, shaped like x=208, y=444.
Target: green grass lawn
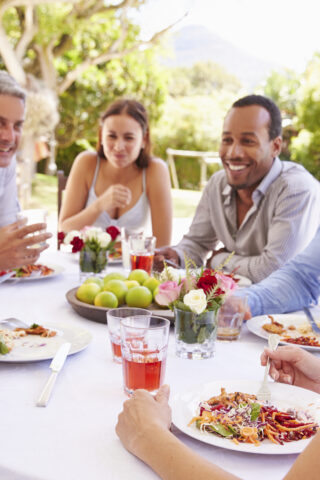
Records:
x=44, y=195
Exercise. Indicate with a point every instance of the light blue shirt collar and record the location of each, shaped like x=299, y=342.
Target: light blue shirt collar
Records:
x=263, y=186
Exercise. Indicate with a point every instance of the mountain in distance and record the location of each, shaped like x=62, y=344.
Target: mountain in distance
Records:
x=196, y=43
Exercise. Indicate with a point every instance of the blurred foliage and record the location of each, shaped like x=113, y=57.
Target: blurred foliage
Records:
x=305, y=147
x=203, y=78
x=69, y=36
x=282, y=87
x=193, y=114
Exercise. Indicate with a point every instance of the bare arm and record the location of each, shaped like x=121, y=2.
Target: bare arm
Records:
x=153, y=443
x=159, y=195
x=74, y=214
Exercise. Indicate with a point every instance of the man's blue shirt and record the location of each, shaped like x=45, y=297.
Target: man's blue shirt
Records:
x=292, y=287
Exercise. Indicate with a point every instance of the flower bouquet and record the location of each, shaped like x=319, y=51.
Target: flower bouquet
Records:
x=93, y=243
x=195, y=300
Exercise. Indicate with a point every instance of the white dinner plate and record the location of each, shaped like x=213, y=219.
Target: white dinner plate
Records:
x=34, y=348
x=57, y=270
x=185, y=405
x=297, y=319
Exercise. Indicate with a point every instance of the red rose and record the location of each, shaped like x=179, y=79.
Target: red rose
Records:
x=208, y=281
x=113, y=232
x=61, y=236
x=77, y=244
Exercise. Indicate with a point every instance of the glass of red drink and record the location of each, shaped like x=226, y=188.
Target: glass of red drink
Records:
x=142, y=252
x=144, y=353
x=114, y=317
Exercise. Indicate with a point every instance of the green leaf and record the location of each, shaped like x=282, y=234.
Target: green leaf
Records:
x=3, y=348
x=255, y=411
x=221, y=430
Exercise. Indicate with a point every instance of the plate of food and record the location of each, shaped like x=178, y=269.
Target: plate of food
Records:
x=38, y=342
x=116, y=256
x=36, y=271
x=293, y=328
x=98, y=314
x=227, y=414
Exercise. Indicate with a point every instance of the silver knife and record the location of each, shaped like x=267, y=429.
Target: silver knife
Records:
x=312, y=321
x=56, y=365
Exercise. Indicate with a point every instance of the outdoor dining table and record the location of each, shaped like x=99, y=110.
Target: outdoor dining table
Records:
x=74, y=437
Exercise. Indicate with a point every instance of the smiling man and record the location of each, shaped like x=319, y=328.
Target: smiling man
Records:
x=12, y=106
x=261, y=208
x=15, y=243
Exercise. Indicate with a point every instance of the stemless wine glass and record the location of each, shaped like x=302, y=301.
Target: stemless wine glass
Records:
x=114, y=317
x=144, y=353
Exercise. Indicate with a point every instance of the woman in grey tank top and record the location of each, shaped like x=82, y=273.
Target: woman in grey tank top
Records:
x=121, y=184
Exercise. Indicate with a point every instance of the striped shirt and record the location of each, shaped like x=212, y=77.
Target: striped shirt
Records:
x=283, y=219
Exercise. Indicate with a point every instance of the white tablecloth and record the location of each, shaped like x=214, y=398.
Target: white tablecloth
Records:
x=74, y=438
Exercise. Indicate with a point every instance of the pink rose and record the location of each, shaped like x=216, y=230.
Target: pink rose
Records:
x=168, y=292
x=226, y=283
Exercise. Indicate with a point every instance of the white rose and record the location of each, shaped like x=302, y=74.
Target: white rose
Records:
x=170, y=274
x=196, y=300
x=104, y=239
x=70, y=236
x=91, y=233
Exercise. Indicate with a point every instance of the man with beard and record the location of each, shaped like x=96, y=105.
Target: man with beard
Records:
x=15, y=245
x=261, y=208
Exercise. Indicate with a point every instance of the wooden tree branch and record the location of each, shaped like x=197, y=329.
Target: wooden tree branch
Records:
x=89, y=7
x=5, y=4
x=48, y=72
x=10, y=59
x=30, y=29
x=111, y=54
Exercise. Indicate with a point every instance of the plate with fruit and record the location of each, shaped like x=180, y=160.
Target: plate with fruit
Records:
x=95, y=296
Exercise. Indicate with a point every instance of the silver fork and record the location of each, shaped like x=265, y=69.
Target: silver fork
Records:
x=264, y=394
x=14, y=322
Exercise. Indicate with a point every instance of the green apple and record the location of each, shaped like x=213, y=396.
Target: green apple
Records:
x=87, y=292
x=151, y=283
x=139, y=275
x=106, y=299
x=114, y=276
x=131, y=283
x=139, y=297
x=96, y=280
x=118, y=287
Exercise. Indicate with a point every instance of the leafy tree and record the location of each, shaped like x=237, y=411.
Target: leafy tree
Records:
x=203, y=78
x=305, y=148
x=282, y=87
x=82, y=54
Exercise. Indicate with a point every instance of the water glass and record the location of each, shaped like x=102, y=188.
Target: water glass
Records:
x=114, y=317
x=144, y=353
x=142, y=252
x=230, y=318
x=125, y=248
x=32, y=216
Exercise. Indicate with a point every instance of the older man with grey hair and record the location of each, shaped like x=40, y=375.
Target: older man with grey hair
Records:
x=15, y=245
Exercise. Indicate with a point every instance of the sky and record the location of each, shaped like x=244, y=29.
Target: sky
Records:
x=286, y=32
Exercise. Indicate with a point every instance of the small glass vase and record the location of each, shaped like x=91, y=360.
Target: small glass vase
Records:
x=92, y=263
x=195, y=335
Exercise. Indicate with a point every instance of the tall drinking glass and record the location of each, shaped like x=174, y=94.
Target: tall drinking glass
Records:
x=144, y=353
x=142, y=252
x=32, y=216
x=114, y=317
